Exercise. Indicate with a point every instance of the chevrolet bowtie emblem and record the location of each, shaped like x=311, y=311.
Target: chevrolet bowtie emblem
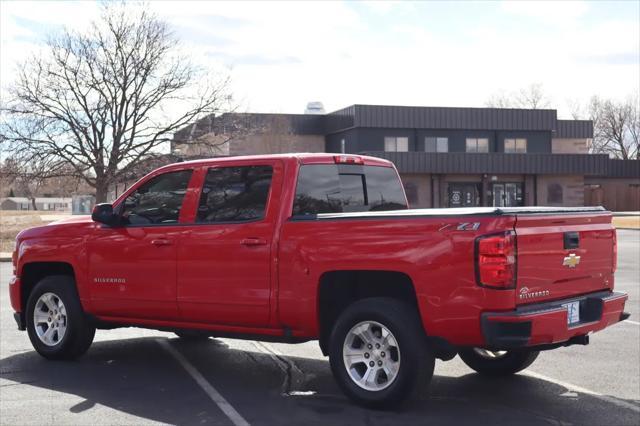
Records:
x=571, y=261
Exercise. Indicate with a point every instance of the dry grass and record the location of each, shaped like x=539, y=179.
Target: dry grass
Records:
x=632, y=222
x=12, y=222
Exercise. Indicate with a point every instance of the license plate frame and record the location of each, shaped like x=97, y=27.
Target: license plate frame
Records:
x=573, y=312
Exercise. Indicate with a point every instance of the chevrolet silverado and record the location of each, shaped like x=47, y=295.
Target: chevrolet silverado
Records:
x=300, y=247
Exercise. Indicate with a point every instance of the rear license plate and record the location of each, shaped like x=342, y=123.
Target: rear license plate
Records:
x=573, y=312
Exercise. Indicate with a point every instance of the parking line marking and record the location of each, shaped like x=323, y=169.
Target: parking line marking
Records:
x=574, y=388
x=631, y=322
x=215, y=396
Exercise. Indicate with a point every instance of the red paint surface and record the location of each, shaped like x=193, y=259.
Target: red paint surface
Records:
x=209, y=277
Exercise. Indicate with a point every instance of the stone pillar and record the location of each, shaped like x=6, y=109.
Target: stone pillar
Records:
x=484, y=198
x=435, y=191
x=529, y=190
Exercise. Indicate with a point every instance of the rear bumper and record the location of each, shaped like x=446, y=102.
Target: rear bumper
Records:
x=546, y=323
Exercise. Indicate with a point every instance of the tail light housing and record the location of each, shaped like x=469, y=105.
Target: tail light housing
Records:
x=496, y=260
x=614, y=265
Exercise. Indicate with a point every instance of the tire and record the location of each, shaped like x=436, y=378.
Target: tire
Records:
x=192, y=335
x=70, y=333
x=510, y=362
x=407, y=358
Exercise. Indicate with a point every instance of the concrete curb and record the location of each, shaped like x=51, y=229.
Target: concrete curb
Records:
x=5, y=257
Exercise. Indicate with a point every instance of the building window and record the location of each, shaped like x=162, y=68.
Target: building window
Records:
x=411, y=191
x=396, y=144
x=515, y=146
x=477, y=145
x=432, y=144
x=554, y=193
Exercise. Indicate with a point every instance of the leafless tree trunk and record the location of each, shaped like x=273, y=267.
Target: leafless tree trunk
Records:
x=99, y=102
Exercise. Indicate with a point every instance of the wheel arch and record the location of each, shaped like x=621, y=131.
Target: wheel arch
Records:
x=32, y=272
x=338, y=289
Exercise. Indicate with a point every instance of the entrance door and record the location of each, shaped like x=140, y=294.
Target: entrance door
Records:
x=464, y=195
x=507, y=195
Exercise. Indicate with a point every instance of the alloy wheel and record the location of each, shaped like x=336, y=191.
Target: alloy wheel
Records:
x=50, y=319
x=371, y=356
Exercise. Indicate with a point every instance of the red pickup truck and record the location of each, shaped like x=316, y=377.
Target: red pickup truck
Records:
x=300, y=247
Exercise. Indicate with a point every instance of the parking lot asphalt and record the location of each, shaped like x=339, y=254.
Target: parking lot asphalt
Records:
x=134, y=376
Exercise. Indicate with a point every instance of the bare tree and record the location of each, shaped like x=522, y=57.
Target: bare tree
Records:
x=532, y=96
x=211, y=136
x=100, y=101
x=576, y=109
x=616, y=127
x=500, y=99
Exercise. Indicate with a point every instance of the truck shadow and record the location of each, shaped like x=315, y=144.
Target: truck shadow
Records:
x=138, y=378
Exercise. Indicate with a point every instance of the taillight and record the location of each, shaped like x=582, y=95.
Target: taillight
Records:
x=348, y=159
x=614, y=266
x=496, y=260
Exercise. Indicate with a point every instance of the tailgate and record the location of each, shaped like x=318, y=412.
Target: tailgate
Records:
x=561, y=255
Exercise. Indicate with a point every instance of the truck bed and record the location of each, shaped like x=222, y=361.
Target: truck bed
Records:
x=471, y=211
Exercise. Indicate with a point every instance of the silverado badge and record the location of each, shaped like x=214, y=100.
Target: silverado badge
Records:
x=526, y=294
x=571, y=261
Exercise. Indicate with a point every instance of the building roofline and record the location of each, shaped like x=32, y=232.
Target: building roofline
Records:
x=449, y=107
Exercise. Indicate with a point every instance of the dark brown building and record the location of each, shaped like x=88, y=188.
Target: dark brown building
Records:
x=447, y=157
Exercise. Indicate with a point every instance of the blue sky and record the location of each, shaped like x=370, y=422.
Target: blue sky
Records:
x=282, y=55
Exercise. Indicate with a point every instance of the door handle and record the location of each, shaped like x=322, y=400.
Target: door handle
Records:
x=161, y=242
x=253, y=242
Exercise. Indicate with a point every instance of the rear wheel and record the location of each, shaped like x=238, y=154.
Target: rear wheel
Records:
x=378, y=352
x=498, y=363
x=56, y=324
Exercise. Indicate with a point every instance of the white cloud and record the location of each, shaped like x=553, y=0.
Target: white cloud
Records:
x=283, y=54
x=555, y=12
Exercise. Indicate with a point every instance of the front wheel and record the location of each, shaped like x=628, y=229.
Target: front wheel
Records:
x=56, y=323
x=378, y=353
x=498, y=363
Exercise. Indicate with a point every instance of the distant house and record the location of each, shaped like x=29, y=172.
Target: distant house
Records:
x=42, y=204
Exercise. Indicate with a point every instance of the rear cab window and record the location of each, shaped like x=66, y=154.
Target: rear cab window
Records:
x=341, y=188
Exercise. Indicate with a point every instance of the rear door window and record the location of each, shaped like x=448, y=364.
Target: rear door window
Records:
x=234, y=194
x=332, y=188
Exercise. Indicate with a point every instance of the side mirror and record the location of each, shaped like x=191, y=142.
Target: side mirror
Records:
x=103, y=213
